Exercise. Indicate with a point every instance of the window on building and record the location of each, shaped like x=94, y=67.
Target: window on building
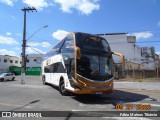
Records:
x=0, y=60
x=16, y=62
x=5, y=60
x=20, y=62
x=11, y=61
x=35, y=60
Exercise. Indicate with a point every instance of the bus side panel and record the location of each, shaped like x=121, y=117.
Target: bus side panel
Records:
x=47, y=77
x=55, y=78
x=68, y=84
x=58, y=70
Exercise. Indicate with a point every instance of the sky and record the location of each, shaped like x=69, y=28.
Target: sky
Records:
x=135, y=17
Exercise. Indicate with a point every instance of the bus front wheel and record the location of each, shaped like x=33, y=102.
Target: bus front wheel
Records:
x=62, y=88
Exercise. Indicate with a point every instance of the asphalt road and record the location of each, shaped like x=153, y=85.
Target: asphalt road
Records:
x=34, y=96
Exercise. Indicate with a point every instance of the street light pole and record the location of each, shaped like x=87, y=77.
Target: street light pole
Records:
x=37, y=32
x=23, y=65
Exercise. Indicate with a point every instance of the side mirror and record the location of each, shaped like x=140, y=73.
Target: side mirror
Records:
x=120, y=55
x=78, y=52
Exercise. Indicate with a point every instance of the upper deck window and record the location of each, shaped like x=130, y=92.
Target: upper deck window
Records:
x=90, y=42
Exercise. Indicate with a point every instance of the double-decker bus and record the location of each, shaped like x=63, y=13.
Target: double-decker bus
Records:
x=81, y=63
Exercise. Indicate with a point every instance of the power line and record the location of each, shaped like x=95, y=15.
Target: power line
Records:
x=35, y=50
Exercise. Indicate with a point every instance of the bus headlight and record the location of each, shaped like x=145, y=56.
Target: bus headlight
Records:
x=81, y=82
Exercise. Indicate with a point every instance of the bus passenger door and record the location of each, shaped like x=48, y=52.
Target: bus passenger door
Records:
x=47, y=73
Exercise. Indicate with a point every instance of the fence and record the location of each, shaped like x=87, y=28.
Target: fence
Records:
x=29, y=70
x=133, y=70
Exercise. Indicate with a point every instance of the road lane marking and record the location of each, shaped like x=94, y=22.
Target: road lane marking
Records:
x=15, y=105
x=6, y=104
x=77, y=110
x=92, y=106
x=127, y=118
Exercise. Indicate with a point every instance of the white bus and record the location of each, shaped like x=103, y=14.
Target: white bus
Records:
x=81, y=63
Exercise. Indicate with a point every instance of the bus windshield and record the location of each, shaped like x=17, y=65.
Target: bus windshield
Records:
x=94, y=67
x=95, y=62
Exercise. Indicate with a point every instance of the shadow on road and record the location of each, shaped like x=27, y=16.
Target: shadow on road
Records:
x=8, y=81
x=114, y=98
x=32, y=102
x=117, y=97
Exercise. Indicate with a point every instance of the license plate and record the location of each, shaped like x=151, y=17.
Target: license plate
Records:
x=99, y=92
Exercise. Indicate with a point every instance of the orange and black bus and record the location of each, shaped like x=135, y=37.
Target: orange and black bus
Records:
x=81, y=63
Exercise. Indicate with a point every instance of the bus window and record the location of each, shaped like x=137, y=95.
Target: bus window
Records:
x=58, y=68
x=88, y=42
x=47, y=69
x=55, y=67
x=70, y=68
x=68, y=45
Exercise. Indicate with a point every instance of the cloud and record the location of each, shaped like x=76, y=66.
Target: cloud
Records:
x=18, y=34
x=7, y=40
x=8, y=33
x=46, y=44
x=17, y=48
x=32, y=50
x=59, y=34
x=7, y=52
x=38, y=4
x=158, y=53
x=13, y=17
x=158, y=24
x=142, y=35
x=84, y=6
x=43, y=44
x=8, y=2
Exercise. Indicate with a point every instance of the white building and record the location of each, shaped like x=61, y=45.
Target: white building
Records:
x=34, y=60
x=122, y=43
x=6, y=61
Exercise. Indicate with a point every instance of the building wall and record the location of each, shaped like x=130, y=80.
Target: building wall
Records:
x=157, y=59
x=34, y=60
x=6, y=61
x=122, y=43
x=13, y=64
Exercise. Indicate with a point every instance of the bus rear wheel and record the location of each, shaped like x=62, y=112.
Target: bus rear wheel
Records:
x=62, y=89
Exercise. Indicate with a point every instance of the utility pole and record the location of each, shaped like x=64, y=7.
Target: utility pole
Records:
x=23, y=65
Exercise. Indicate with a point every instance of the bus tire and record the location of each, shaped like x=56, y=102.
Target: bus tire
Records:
x=44, y=80
x=62, y=88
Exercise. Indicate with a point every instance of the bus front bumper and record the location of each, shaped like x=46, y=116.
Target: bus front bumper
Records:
x=84, y=86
